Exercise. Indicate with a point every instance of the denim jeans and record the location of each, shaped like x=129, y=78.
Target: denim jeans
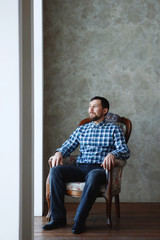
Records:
x=93, y=176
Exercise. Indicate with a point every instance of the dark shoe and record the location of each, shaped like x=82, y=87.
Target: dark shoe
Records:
x=53, y=224
x=78, y=228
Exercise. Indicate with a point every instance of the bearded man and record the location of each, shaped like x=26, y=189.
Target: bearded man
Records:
x=100, y=144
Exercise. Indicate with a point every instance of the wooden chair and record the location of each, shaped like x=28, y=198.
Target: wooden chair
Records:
x=114, y=176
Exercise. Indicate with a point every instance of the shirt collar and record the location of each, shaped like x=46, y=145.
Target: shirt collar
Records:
x=99, y=124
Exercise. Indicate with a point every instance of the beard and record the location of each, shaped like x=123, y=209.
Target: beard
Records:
x=95, y=117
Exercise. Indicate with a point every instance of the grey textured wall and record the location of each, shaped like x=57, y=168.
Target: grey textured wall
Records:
x=109, y=48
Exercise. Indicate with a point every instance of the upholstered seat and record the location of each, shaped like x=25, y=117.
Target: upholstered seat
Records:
x=77, y=188
x=114, y=176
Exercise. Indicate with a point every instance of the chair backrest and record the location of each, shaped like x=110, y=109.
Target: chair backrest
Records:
x=124, y=123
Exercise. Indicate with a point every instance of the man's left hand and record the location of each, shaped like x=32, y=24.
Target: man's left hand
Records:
x=108, y=161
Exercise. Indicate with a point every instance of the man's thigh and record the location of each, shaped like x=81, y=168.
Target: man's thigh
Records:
x=96, y=176
x=69, y=173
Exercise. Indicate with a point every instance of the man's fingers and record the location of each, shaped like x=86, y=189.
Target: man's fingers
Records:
x=110, y=163
x=53, y=162
x=56, y=161
x=53, y=159
x=104, y=165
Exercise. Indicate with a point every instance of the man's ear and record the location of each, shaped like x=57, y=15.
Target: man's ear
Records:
x=105, y=110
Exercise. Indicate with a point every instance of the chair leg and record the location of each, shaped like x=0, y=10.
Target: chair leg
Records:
x=48, y=217
x=108, y=212
x=117, y=206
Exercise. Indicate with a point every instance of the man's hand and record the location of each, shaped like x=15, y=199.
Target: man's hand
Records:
x=108, y=161
x=56, y=159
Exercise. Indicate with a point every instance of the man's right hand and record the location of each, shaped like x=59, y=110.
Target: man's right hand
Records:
x=56, y=159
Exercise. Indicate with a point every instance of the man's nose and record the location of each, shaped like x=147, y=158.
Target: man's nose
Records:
x=91, y=109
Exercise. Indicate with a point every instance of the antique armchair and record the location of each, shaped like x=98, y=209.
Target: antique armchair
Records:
x=114, y=176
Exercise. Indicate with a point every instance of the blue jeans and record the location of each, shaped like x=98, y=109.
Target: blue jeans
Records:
x=93, y=176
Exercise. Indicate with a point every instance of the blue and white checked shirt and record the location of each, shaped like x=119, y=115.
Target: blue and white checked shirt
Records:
x=96, y=141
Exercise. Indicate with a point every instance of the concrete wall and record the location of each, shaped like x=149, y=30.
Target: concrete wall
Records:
x=109, y=48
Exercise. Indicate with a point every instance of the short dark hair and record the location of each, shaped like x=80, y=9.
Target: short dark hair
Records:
x=104, y=101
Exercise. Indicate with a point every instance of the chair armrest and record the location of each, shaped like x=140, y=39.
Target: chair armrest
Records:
x=71, y=160
x=114, y=177
x=120, y=163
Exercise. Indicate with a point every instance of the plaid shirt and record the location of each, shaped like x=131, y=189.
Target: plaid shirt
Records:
x=96, y=141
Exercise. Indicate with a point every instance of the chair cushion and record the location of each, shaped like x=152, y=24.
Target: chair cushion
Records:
x=79, y=186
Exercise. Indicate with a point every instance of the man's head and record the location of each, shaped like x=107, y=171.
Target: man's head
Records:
x=98, y=108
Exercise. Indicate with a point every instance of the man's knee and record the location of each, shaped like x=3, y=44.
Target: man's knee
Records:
x=54, y=172
x=96, y=176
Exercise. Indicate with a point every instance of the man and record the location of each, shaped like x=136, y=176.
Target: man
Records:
x=100, y=144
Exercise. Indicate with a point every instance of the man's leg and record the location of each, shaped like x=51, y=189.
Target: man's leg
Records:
x=94, y=179
x=58, y=177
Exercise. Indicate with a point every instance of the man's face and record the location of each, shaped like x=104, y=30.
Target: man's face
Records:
x=96, y=111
